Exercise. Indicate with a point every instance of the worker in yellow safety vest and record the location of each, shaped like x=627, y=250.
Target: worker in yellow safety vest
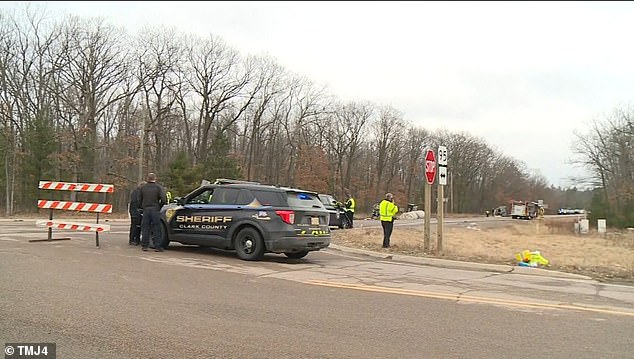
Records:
x=387, y=210
x=350, y=204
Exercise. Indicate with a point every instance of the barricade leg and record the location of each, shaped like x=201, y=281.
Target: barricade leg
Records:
x=97, y=233
x=50, y=232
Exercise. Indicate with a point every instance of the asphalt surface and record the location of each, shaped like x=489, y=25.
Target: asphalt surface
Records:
x=115, y=301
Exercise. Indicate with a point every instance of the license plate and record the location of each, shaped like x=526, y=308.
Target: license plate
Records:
x=314, y=221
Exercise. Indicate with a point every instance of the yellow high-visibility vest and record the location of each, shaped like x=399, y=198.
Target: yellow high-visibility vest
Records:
x=387, y=210
x=350, y=204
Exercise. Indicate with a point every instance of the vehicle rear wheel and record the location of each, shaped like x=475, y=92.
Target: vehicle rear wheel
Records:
x=296, y=255
x=249, y=244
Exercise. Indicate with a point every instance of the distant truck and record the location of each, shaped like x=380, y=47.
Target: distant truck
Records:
x=523, y=210
x=571, y=211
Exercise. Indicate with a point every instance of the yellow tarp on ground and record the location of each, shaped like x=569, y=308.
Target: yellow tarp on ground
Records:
x=531, y=259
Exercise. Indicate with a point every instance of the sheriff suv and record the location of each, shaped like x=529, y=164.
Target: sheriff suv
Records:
x=248, y=217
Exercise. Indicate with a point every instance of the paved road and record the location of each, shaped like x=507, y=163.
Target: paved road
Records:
x=118, y=302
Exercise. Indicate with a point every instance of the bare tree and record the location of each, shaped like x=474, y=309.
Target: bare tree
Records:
x=468, y=170
x=607, y=151
x=8, y=130
x=28, y=105
x=386, y=133
x=353, y=119
x=299, y=116
x=88, y=84
x=160, y=62
x=413, y=165
x=218, y=78
x=269, y=77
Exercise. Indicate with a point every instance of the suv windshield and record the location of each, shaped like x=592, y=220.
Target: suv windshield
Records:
x=327, y=200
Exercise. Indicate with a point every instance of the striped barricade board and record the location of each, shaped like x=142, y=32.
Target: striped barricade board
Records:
x=77, y=226
x=77, y=187
x=75, y=206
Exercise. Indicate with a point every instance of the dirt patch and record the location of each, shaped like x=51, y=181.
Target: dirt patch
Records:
x=608, y=258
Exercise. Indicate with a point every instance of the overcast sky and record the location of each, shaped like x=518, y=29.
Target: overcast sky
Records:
x=520, y=75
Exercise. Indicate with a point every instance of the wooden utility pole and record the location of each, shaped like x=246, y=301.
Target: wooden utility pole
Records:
x=427, y=232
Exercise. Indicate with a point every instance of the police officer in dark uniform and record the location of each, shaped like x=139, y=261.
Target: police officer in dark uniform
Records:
x=135, y=216
x=152, y=197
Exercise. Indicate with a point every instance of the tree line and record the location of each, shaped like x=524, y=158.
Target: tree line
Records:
x=607, y=150
x=84, y=101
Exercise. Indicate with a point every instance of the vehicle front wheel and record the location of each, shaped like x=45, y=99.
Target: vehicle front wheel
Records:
x=296, y=255
x=249, y=244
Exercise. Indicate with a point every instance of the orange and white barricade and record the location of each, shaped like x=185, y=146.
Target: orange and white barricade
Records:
x=74, y=206
x=78, y=187
x=78, y=226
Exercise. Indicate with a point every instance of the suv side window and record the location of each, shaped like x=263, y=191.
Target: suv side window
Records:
x=225, y=196
x=203, y=197
x=270, y=198
x=244, y=197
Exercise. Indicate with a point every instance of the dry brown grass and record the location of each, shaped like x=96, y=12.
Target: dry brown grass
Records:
x=607, y=257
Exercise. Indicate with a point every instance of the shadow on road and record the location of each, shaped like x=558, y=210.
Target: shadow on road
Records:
x=268, y=257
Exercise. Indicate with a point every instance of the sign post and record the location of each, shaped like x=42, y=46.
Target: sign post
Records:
x=430, y=175
x=442, y=182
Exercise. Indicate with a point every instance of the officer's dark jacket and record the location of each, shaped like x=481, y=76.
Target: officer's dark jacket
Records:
x=135, y=203
x=152, y=195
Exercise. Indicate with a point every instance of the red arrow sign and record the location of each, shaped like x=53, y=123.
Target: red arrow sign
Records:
x=430, y=166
